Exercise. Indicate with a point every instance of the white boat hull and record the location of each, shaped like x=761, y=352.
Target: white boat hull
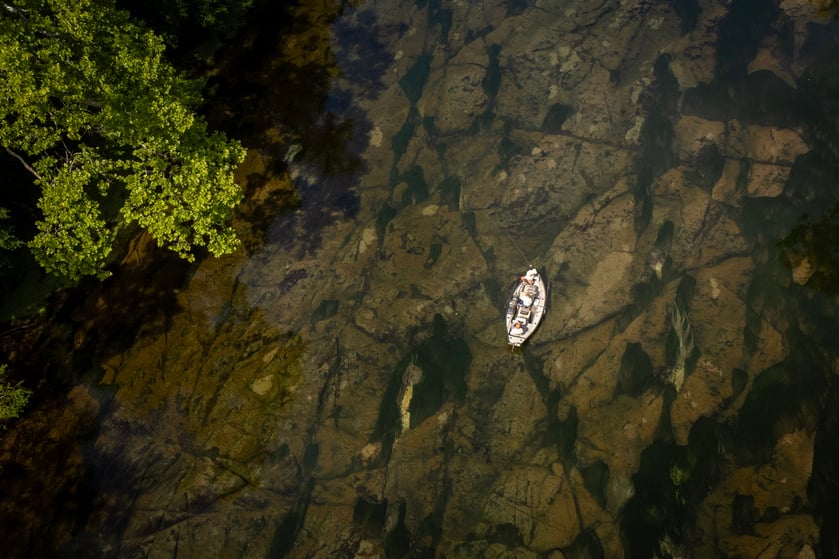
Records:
x=528, y=316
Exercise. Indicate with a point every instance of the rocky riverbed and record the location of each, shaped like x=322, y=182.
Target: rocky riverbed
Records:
x=342, y=387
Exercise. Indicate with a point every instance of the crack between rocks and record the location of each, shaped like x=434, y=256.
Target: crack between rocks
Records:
x=573, y=490
x=586, y=367
x=588, y=442
x=688, y=162
x=599, y=17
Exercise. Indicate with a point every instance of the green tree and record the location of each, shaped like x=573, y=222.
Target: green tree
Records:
x=108, y=129
x=13, y=397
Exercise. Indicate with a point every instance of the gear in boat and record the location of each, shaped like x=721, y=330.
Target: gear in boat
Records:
x=526, y=307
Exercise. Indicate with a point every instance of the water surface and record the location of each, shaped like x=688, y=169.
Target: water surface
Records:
x=343, y=387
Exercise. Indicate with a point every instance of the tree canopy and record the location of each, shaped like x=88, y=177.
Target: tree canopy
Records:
x=108, y=129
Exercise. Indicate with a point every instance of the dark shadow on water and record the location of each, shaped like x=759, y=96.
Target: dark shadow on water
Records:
x=671, y=481
x=398, y=539
x=292, y=99
x=824, y=481
x=783, y=398
x=688, y=12
x=506, y=534
x=444, y=361
x=370, y=516
x=586, y=546
x=61, y=510
x=708, y=167
x=413, y=82
x=759, y=97
x=595, y=480
x=289, y=527
x=362, y=59
x=799, y=393
x=323, y=201
x=326, y=309
x=556, y=117
x=95, y=320
x=656, y=150
x=741, y=32
x=636, y=372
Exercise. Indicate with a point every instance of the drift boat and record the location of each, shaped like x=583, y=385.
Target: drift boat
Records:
x=526, y=308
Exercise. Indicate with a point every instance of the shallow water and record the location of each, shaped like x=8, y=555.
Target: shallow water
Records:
x=344, y=387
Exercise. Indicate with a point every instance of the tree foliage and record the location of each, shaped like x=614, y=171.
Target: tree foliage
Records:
x=109, y=131
x=13, y=397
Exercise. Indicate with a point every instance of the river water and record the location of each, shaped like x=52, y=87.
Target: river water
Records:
x=342, y=386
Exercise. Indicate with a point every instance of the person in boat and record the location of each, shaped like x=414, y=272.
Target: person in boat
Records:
x=525, y=300
x=518, y=328
x=530, y=276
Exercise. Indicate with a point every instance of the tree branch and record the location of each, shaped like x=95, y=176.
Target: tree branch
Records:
x=24, y=163
x=11, y=9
